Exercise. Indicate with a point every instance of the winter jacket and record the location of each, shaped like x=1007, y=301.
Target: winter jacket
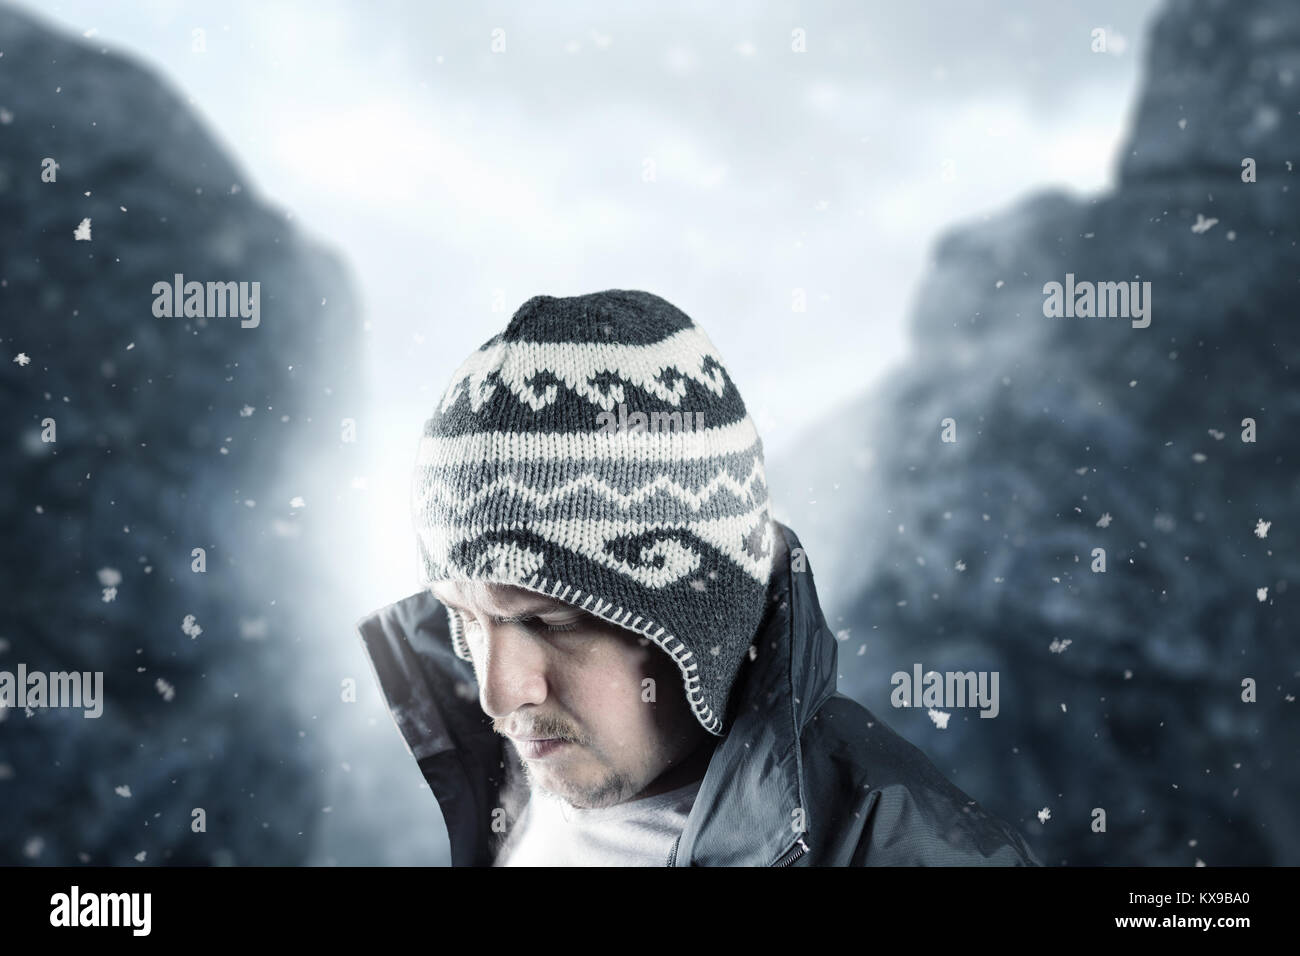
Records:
x=803, y=777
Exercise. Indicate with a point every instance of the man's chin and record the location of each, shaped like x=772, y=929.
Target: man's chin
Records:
x=567, y=786
x=582, y=793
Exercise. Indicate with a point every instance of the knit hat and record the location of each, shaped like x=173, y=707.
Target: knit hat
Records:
x=596, y=451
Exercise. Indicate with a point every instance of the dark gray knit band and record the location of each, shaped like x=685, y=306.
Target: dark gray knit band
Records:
x=536, y=470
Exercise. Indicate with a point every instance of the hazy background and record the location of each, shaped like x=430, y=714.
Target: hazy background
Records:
x=457, y=182
x=913, y=178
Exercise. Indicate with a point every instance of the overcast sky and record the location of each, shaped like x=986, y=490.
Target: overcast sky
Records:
x=677, y=147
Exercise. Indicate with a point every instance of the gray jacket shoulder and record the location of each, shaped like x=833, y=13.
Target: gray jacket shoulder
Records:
x=880, y=801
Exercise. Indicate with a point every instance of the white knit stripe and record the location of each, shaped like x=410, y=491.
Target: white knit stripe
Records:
x=577, y=364
x=657, y=446
x=453, y=498
x=587, y=538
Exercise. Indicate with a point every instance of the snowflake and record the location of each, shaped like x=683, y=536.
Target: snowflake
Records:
x=1044, y=815
x=22, y=359
x=1261, y=527
x=960, y=565
x=246, y=411
x=1059, y=646
x=122, y=791
x=1202, y=224
x=297, y=502
x=191, y=627
x=109, y=594
x=939, y=717
x=164, y=688
x=1104, y=520
x=1262, y=594
x=83, y=230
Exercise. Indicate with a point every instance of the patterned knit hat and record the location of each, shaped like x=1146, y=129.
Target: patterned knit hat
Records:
x=596, y=451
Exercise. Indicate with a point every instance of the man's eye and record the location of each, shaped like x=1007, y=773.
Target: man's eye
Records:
x=562, y=627
x=535, y=623
x=532, y=622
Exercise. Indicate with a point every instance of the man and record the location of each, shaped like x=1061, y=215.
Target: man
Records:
x=619, y=657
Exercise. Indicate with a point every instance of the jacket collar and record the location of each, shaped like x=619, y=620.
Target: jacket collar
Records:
x=753, y=804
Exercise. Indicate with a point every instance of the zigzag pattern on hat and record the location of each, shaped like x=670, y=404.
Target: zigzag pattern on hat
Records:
x=583, y=509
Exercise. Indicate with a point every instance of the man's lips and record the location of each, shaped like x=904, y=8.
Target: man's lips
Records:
x=535, y=748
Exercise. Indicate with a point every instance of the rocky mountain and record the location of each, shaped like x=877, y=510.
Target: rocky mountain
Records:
x=1121, y=690
x=133, y=439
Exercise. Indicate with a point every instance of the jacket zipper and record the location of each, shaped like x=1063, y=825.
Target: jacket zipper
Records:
x=796, y=851
x=790, y=855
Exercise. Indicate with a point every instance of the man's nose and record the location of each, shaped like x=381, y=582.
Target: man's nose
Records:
x=513, y=672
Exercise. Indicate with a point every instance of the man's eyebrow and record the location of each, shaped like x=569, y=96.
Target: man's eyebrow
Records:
x=527, y=610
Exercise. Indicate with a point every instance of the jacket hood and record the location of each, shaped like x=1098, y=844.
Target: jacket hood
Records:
x=753, y=790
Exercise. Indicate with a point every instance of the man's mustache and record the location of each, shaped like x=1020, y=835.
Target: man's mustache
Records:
x=541, y=727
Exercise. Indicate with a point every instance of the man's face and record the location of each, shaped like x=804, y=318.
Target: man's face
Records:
x=573, y=693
